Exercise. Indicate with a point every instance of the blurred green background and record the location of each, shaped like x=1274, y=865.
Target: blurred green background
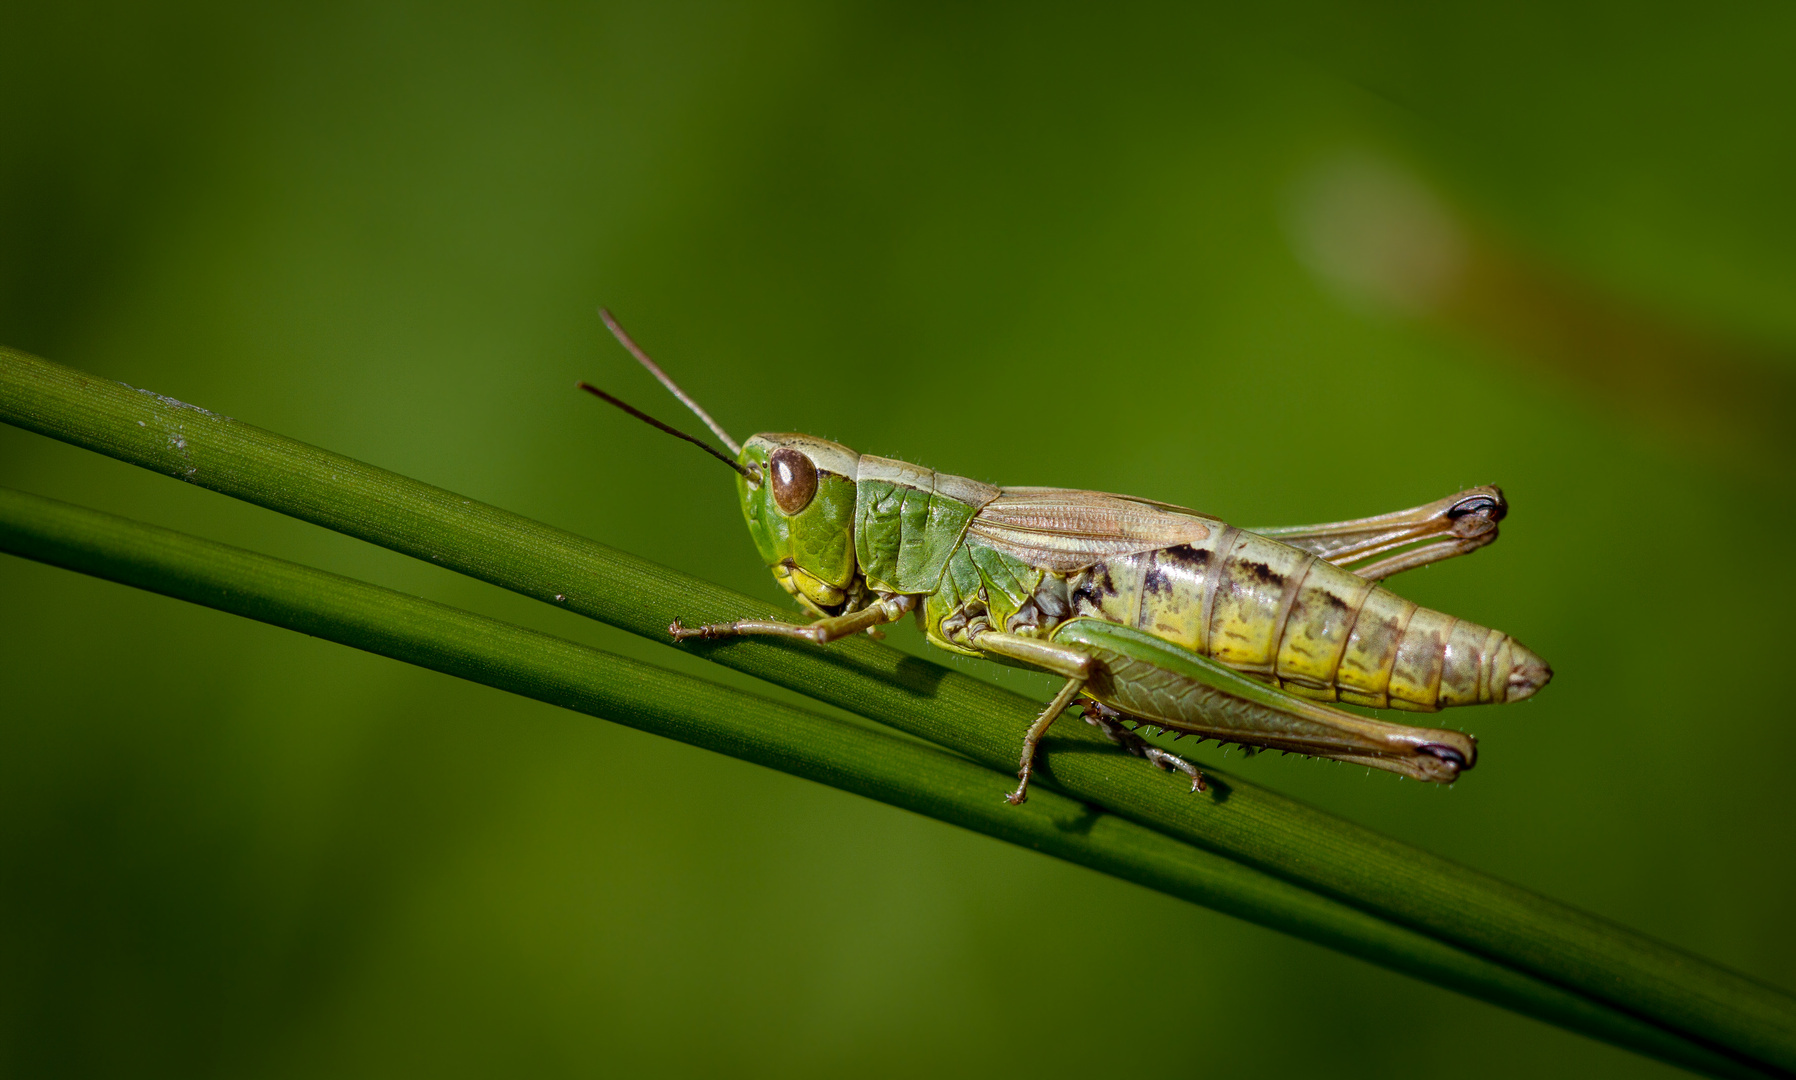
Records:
x=1309, y=263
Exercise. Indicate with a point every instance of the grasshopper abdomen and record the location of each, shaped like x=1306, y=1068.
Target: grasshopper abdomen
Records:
x=1292, y=620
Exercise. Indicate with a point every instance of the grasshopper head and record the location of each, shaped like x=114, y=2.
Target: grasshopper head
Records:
x=800, y=513
x=797, y=492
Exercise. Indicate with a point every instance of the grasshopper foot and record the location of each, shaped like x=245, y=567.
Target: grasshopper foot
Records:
x=682, y=632
x=1109, y=721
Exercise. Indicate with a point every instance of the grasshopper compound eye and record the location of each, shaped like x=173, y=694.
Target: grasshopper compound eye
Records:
x=794, y=480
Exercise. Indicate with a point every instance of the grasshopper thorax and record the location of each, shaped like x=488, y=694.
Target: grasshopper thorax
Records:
x=800, y=512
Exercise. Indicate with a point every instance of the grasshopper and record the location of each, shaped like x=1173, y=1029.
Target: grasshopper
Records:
x=1157, y=617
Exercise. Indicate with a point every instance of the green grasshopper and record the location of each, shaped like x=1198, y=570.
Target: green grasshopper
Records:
x=1155, y=615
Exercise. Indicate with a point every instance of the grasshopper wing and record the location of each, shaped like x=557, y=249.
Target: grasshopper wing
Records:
x=1062, y=530
x=1464, y=523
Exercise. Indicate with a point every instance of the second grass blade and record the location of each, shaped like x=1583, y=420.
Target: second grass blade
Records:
x=883, y=767
x=1561, y=944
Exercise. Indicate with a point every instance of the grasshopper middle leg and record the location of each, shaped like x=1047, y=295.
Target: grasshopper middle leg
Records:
x=1026, y=767
x=1076, y=665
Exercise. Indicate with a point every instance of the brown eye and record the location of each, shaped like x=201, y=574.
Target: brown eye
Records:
x=794, y=480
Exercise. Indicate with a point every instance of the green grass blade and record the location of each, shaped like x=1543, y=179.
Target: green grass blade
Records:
x=1378, y=874
x=884, y=767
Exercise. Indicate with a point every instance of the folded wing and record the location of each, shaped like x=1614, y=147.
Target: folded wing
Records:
x=1063, y=530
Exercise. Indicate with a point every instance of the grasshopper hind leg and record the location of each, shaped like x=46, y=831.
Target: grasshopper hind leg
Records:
x=1110, y=722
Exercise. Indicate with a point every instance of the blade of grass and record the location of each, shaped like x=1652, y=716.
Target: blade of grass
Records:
x=1378, y=874
x=884, y=767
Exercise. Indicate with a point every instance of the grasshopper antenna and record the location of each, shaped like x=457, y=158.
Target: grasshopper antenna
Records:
x=751, y=475
x=655, y=370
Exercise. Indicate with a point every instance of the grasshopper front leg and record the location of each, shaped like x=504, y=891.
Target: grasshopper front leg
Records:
x=822, y=632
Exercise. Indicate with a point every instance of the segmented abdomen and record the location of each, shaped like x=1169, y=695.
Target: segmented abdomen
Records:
x=1281, y=614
